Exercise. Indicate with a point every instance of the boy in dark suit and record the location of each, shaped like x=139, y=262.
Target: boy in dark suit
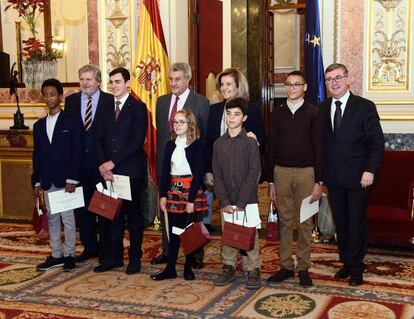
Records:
x=56, y=165
x=119, y=150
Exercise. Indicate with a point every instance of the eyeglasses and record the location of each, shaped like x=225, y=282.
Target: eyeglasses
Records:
x=293, y=85
x=179, y=123
x=337, y=79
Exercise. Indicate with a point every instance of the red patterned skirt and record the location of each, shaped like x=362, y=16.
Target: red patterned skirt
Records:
x=177, y=196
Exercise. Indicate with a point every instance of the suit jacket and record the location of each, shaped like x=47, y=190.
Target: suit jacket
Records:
x=197, y=103
x=358, y=146
x=194, y=154
x=122, y=141
x=254, y=123
x=105, y=105
x=60, y=160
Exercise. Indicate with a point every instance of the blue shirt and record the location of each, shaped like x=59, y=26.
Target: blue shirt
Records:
x=84, y=103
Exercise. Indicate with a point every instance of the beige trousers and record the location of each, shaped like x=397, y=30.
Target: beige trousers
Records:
x=292, y=185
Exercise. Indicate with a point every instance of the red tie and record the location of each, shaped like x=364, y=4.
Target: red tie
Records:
x=173, y=111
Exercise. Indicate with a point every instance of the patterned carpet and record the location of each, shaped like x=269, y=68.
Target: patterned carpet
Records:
x=27, y=294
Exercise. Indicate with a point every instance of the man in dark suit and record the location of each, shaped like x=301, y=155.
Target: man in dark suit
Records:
x=167, y=105
x=119, y=150
x=90, y=105
x=354, y=148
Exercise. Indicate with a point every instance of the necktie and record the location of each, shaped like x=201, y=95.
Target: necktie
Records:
x=173, y=111
x=117, y=109
x=337, y=117
x=88, y=114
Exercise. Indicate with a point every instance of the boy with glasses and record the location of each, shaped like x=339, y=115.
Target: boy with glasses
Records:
x=294, y=173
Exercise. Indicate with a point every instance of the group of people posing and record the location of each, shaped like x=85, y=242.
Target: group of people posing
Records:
x=205, y=150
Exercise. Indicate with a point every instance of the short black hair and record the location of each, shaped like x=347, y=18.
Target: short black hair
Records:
x=55, y=83
x=237, y=102
x=298, y=73
x=124, y=72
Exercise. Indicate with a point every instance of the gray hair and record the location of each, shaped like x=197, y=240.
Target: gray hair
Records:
x=91, y=68
x=182, y=66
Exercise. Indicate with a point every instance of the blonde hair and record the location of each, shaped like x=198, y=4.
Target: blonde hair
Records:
x=240, y=80
x=193, y=132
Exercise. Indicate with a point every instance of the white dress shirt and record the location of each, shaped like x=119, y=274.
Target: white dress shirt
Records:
x=50, y=125
x=344, y=100
x=122, y=100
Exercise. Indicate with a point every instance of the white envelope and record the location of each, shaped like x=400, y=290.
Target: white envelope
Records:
x=61, y=201
x=307, y=210
x=121, y=186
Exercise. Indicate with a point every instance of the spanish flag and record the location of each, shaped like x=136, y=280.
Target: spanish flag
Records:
x=150, y=73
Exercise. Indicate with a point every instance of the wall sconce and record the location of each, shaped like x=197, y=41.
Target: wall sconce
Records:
x=58, y=47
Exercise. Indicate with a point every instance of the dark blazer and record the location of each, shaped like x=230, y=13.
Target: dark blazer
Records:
x=60, y=160
x=254, y=123
x=197, y=103
x=358, y=146
x=73, y=106
x=122, y=141
x=195, y=157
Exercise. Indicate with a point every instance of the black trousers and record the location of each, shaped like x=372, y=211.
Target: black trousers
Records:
x=131, y=211
x=87, y=221
x=350, y=215
x=181, y=221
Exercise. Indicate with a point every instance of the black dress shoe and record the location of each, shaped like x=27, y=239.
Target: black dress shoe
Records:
x=356, y=280
x=197, y=263
x=189, y=275
x=108, y=266
x=282, y=275
x=342, y=273
x=160, y=259
x=304, y=279
x=164, y=275
x=85, y=256
x=102, y=259
x=133, y=268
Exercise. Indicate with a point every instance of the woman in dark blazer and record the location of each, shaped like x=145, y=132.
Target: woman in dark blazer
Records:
x=231, y=83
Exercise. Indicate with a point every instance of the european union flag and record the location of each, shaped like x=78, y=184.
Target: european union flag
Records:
x=316, y=92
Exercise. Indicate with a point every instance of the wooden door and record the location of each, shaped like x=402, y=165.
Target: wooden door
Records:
x=205, y=40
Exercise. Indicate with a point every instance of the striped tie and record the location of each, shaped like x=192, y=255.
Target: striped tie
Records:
x=88, y=114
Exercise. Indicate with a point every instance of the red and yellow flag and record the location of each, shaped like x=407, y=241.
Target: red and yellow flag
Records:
x=150, y=73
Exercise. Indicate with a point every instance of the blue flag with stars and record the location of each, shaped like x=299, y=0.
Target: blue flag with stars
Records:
x=316, y=92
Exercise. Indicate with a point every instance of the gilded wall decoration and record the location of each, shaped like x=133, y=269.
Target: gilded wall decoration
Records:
x=389, y=45
x=117, y=26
